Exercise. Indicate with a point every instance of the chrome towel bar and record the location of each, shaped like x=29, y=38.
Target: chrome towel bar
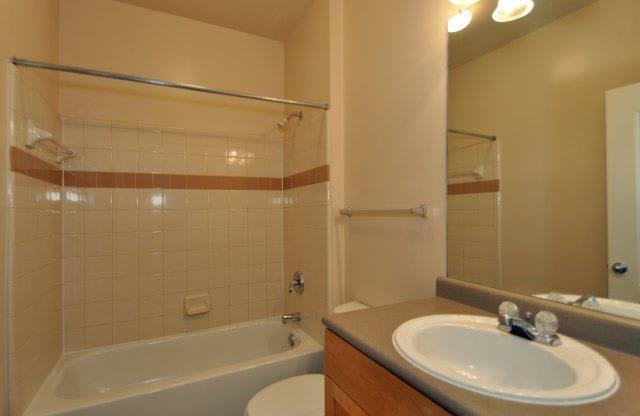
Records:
x=419, y=211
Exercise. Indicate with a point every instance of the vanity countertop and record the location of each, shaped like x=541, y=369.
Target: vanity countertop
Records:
x=370, y=331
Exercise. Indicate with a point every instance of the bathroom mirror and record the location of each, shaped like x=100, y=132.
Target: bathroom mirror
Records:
x=543, y=155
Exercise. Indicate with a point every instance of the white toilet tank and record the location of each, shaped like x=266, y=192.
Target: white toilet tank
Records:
x=349, y=307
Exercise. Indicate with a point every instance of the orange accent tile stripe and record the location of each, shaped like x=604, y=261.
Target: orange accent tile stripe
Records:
x=29, y=165
x=168, y=181
x=473, y=187
x=308, y=177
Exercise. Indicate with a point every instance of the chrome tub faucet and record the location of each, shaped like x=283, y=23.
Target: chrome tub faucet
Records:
x=294, y=317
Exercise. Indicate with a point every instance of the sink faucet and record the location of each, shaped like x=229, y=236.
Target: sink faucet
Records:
x=542, y=331
x=294, y=317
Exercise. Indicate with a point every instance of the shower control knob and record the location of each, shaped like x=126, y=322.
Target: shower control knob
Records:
x=619, y=267
x=297, y=283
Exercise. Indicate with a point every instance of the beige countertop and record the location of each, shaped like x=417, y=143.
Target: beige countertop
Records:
x=370, y=331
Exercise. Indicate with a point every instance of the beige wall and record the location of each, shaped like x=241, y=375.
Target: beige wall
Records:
x=113, y=36
x=394, y=143
x=28, y=29
x=4, y=166
x=306, y=52
x=337, y=252
x=543, y=96
x=306, y=147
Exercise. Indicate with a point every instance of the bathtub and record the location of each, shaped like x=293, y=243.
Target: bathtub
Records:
x=213, y=372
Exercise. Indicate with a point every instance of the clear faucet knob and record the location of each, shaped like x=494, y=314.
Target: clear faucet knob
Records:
x=591, y=303
x=508, y=308
x=547, y=323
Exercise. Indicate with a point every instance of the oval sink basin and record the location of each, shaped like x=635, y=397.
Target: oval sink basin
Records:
x=470, y=352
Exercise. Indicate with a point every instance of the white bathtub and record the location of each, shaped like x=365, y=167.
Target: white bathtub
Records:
x=213, y=372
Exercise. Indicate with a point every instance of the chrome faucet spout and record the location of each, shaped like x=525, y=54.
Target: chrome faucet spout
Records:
x=509, y=323
x=542, y=331
x=294, y=317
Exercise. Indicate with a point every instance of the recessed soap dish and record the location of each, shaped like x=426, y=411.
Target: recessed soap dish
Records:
x=196, y=304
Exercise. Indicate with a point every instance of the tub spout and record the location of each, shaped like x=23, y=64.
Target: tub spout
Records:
x=294, y=317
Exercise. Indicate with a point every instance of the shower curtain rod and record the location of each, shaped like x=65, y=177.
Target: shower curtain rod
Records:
x=159, y=83
x=470, y=133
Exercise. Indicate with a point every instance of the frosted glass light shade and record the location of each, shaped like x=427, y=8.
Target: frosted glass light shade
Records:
x=509, y=10
x=459, y=21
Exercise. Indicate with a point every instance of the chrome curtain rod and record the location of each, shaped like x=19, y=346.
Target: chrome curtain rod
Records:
x=470, y=133
x=159, y=83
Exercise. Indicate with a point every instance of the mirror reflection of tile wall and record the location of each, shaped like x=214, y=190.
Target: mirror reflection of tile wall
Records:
x=473, y=200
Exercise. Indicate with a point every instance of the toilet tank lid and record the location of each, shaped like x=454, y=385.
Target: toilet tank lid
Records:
x=349, y=307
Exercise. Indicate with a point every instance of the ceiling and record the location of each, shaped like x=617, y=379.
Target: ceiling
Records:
x=273, y=19
x=484, y=35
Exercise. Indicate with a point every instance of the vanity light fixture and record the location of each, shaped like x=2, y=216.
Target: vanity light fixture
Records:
x=459, y=21
x=509, y=10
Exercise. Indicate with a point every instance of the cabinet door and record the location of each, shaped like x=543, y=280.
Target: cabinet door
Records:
x=337, y=403
x=369, y=386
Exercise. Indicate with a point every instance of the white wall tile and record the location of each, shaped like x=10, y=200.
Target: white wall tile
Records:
x=131, y=256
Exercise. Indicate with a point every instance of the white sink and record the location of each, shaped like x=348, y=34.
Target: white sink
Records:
x=470, y=352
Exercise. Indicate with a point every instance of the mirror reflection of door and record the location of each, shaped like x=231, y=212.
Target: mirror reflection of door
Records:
x=550, y=207
x=623, y=191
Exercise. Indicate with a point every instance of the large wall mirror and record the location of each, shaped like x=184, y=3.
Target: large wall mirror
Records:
x=543, y=155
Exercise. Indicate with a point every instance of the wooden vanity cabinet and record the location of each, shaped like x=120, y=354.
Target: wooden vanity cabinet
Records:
x=355, y=385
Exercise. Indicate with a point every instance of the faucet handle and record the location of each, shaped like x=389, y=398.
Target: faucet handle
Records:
x=297, y=283
x=506, y=312
x=546, y=323
x=509, y=308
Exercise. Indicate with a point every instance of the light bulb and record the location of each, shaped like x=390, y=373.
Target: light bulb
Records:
x=459, y=21
x=509, y=10
x=463, y=3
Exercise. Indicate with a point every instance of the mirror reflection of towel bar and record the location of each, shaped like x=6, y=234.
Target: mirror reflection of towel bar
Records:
x=470, y=133
x=419, y=211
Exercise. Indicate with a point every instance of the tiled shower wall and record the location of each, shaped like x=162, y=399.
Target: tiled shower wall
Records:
x=138, y=241
x=473, y=210
x=306, y=210
x=34, y=287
